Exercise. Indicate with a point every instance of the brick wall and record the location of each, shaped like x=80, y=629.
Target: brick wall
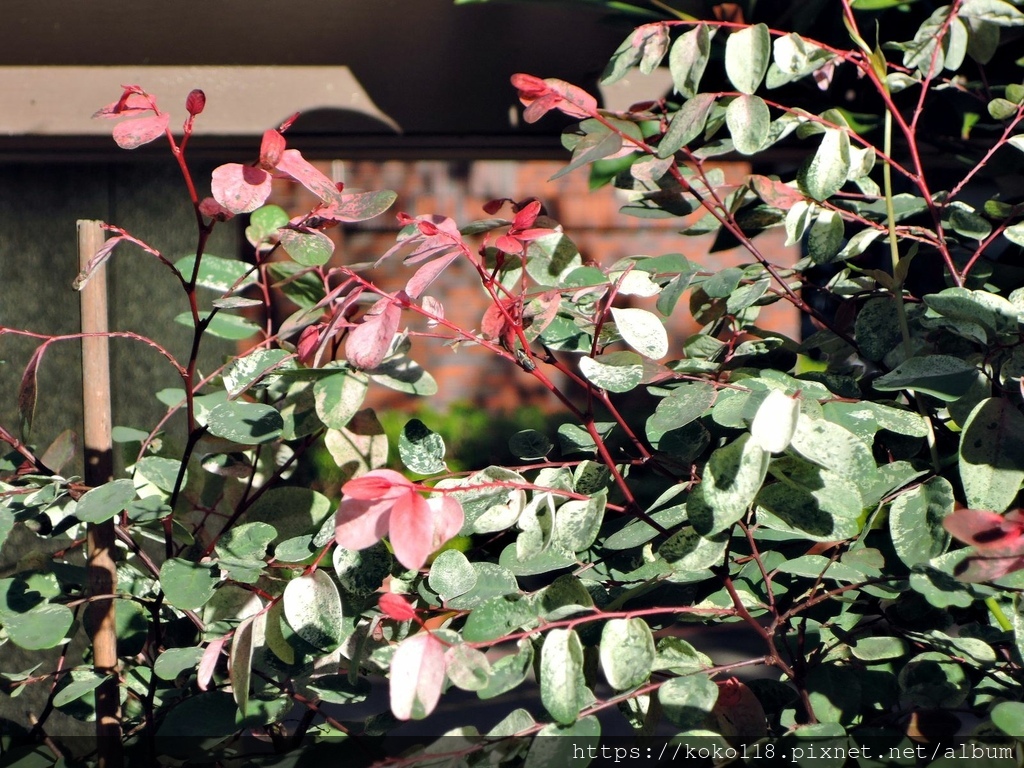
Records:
x=459, y=190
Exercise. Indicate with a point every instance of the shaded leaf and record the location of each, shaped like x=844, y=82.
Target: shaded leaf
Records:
x=941, y=376
x=688, y=58
x=104, y=502
x=687, y=701
x=825, y=173
x=992, y=454
x=312, y=607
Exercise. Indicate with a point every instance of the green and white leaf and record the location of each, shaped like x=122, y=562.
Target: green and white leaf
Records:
x=992, y=454
x=686, y=124
x=614, y=372
x=941, y=376
x=748, y=120
x=338, y=397
x=747, y=55
x=642, y=330
x=312, y=608
x=688, y=59
x=687, y=701
x=563, y=690
x=731, y=480
x=627, y=652
x=827, y=170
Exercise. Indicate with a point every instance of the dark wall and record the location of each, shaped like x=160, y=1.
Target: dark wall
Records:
x=39, y=206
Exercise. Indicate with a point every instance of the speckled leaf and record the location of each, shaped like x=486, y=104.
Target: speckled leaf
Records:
x=687, y=60
x=748, y=120
x=827, y=170
x=825, y=237
x=686, y=701
x=562, y=687
x=421, y=449
x=451, y=574
x=312, y=608
x=915, y=521
x=992, y=454
x=731, y=480
x=642, y=330
x=747, y=55
x=578, y=521
x=615, y=372
x=627, y=652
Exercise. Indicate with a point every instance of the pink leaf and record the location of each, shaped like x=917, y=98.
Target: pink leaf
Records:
x=998, y=541
x=775, y=193
x=541, y=96
x=211, y=209
x=295, y=165
x=132, y=102
x=990, y=533
x=308, y=343
x=975, y=569
x=417, y=676
x=376, y=484
x=426, y=274
x=98, y=260
x=526, y=216
x=271, y=148
x=368, y=343
x=434, y=308
x=141, y=130
x=419, y=527
x=495, y=322
x=396, y=607
x=447, y=518
x=240, y=188
x=412, y=530
x=361, y=523
x=209, y=662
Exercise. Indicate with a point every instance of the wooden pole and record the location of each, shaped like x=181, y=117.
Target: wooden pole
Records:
x=99, y=469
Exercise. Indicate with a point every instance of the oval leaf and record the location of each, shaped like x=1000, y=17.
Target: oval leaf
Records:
x=417, y=676
x=642, y=330
x=104, y=502
x=992, y=454
x=748, y=120
x=562, y=687
x=245, y=423
x=627, y=652
x=312, y=607
x=747, y=55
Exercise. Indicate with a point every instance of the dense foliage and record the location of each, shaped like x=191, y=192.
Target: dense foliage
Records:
x=847, y=499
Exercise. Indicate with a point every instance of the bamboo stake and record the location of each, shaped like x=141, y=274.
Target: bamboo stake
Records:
x=99, y=469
